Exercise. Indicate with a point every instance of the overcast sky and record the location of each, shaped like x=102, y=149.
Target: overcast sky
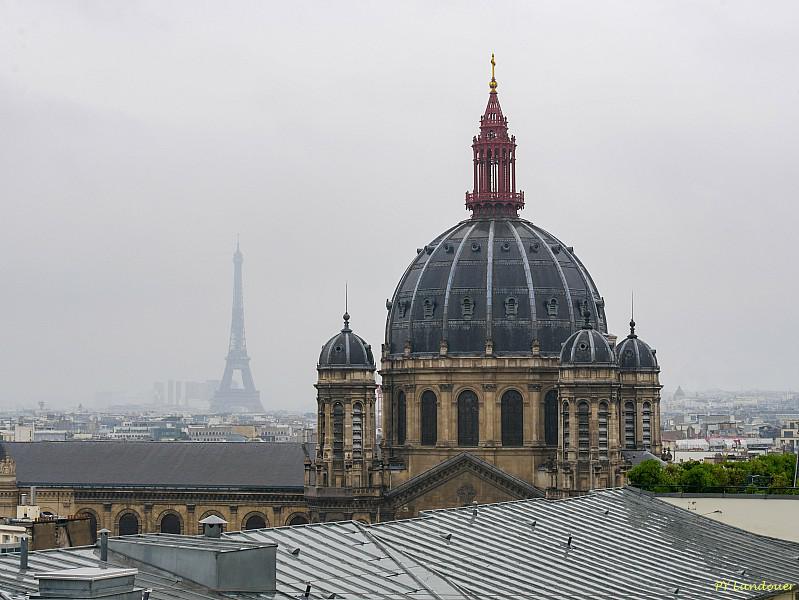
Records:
x=138, y=138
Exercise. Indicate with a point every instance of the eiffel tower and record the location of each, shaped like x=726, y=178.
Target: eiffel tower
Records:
x=230, y=399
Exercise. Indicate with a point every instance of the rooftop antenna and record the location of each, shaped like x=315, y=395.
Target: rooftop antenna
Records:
x=632, y=314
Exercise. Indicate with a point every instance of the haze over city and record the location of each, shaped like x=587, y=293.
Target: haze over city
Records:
x=140, y=139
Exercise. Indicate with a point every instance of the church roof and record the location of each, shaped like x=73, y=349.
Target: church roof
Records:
x=505, y=280
x=346, y=350
x=161, y=464
x=587, y=346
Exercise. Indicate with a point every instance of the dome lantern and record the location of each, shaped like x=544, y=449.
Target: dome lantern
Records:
x=494, y=193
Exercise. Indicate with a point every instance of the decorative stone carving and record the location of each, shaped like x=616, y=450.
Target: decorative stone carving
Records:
x=466, y=494
x=489, y=387
x=8, y=466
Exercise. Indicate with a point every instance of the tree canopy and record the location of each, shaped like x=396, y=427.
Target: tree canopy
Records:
x=769, y=473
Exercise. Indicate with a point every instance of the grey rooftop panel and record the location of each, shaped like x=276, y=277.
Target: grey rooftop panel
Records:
x=160, y=464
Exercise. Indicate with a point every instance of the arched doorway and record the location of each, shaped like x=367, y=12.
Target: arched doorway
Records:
x=128, y=524
x=170, y=523
x=255, y=522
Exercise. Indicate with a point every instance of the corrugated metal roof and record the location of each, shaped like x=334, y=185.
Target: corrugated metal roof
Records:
x=624, y=545
x=161, y=464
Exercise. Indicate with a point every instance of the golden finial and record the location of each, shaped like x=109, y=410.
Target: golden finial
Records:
x=493, y=84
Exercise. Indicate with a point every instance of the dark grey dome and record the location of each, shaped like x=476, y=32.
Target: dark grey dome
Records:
x=502, y=279
x=587, y=346
x=634, y=353
x=345, y=350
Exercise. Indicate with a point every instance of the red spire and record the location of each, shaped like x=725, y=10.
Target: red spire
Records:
x=494, y=191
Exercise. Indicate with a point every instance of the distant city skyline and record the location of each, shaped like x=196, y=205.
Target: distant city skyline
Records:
x=136, y=147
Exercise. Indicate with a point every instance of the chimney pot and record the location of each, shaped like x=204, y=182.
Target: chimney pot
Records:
x=23, y=552
x=104, y=544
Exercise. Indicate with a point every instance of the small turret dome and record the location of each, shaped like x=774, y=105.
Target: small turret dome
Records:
x=633, y=353
x=346, y=350
x=587, y=347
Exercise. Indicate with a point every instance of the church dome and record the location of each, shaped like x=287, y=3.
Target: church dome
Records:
x=634, y=353
x=346, y=350
x=494, y=283
x=501, y=279
x=587, y=347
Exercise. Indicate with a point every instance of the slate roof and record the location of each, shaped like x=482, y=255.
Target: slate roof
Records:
x=159, y=464
x=491, y=262
x=587, y=346
x=635, y=354
x=346, y=350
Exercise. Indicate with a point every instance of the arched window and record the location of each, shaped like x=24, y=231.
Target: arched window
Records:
x=128, y=524
x=551, y=418
x=255, y=522
x=338, y=431
x=512, y=419
x=298, y=520
x=603, y=430
x=629, y=425
x=646, y=425
x=583, y=432
x=429, y=419
x=402, y=421
x=468, y=419
x=170, y=523
x=357, y=430
x=566, y=432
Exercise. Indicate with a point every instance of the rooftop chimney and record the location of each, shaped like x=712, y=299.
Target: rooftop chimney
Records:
x=212, y=526
x=88, y=582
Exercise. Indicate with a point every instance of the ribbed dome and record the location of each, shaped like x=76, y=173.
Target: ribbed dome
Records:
x=345, y=350
x=633, y=353
x=587, y=346
x=502, y=279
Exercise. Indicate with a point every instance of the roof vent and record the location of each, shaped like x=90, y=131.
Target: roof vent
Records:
x=213, y=525
x=89, y=582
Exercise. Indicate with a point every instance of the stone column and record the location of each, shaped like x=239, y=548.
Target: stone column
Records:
x=412, y=415
x=445, y=431
x=533, y=415
x=489, y=413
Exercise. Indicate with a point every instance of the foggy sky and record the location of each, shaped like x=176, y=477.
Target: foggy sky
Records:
x=138, y=138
